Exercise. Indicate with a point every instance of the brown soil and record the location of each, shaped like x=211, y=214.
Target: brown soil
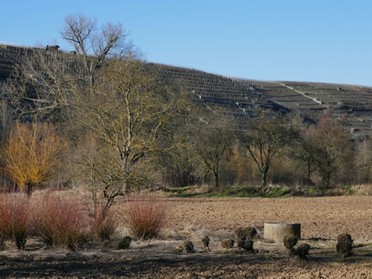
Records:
x=322, y=219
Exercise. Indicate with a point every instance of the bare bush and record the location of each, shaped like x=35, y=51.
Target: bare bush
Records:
x=60, y=221
x=289, y=242
x=205, y=241
x=186, y=247
x=146, y=217
x=246, y=244
x=104, y=225
x=344, y=245
x=124, y=243
x=303, y=250
x=227, y=243
x=14, y=218
x=245, y=233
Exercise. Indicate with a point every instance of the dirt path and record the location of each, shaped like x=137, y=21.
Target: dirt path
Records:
x=152, y=263
x=306, y=96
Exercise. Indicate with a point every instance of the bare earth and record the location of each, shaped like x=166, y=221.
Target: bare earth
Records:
x=322, y=219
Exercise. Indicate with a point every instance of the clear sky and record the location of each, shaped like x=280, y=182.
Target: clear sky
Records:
x=299, y=40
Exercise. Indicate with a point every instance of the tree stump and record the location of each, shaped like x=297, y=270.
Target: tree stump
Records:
x=277, y=231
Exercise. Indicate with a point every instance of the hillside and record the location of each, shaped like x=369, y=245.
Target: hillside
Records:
x=351, y=105
x=242, y=99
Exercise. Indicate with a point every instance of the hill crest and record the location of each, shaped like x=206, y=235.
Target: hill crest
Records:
x=351, y=105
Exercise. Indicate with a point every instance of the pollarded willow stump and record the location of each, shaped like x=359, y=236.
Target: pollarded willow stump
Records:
x=277, y=231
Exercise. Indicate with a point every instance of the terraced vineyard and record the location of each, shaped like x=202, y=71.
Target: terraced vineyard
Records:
x=352, y=105
x=10, y=55
x=235, y=98
x=243, y=99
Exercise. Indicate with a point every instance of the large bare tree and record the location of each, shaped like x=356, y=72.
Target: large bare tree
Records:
x=94, y=46
x=130, y=116
x=121, y=106
x=45, y=83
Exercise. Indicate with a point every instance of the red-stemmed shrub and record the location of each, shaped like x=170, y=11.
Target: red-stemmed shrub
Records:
x=60, y=220
x=103, y=225
x=14, y=218
x=146, y=216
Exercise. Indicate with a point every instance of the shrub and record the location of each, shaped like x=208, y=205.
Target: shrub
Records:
x=290, y=242
x=124, y=243
x=60, y=221
x=146, y=217
x=303, y=250
x=245, y=233
x=104, y=225
x=186, y=247
x=344, y=245
x=32, y=153
x=205, y=241
x=246, y=244
x=227, y=243
x=14, y=218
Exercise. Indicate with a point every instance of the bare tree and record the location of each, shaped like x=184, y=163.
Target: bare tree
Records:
x=364, y=161
x=130, y=117
x=266, y=137
x=178, y=161
x=331, y=148
x=5, y=122
x=212, y=137
x=304, y=153
x=45, y=83
x=95, y=45
x=40, y=86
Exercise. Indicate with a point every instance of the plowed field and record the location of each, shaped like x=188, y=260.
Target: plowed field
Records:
x=322, y=219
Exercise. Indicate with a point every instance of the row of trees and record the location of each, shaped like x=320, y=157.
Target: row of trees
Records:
x=100, y=117
x=278, y=149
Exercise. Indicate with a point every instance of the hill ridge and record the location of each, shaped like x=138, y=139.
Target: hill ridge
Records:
x=244, y=98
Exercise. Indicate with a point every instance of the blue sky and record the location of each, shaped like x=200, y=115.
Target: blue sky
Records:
x=299, y=40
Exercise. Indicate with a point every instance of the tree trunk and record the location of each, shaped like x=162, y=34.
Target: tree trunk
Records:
x=29, y=189
x=216, y=180
x=216, y=171
x=107, y=206
x=308, y=171
x=326, y=177
x=264, y=176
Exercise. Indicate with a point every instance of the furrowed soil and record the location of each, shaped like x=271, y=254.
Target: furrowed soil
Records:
x=322, y=219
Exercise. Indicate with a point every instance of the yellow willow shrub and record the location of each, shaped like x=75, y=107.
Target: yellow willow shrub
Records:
x=33, y=151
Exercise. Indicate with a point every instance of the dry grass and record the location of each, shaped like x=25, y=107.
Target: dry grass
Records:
x=362, y=189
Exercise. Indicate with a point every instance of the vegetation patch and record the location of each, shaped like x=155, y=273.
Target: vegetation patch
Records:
x=233, y=191
x=146, y=217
